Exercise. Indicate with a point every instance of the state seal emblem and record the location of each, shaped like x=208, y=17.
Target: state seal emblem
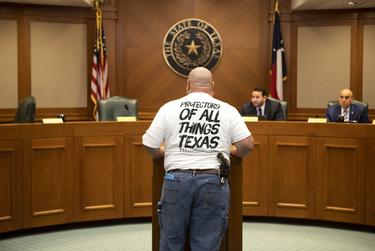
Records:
x=191, y=43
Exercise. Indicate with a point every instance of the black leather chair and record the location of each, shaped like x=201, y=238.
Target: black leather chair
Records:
x=26, y=110
x=284, y=106
x=336, y=102
x=110, y=109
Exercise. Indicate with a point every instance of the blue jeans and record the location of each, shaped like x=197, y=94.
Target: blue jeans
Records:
x=193, y=206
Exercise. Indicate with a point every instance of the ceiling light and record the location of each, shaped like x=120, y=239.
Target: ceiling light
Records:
x=352, y=3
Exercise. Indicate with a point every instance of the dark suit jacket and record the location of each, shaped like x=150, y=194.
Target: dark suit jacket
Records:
x=358, y=113
x=272, y=110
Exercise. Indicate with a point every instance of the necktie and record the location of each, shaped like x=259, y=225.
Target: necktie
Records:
x=346, y=115
x=259, y=111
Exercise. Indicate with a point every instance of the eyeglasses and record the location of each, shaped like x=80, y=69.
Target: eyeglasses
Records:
x=345, y=97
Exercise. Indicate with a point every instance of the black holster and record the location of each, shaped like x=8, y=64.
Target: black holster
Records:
x=224, y=167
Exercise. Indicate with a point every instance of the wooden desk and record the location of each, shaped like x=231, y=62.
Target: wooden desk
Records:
x=314, y=171
x=54, y=174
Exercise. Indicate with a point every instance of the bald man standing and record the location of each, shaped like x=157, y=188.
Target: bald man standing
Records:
x=194, y=129
x=346, y=110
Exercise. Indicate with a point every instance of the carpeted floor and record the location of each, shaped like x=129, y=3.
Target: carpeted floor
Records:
x=257, y=235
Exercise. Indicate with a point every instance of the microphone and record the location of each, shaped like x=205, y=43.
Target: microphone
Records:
x=261, y=117
x=61, y=116
x=340, y=118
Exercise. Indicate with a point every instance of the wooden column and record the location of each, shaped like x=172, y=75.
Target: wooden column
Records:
x=233, y=237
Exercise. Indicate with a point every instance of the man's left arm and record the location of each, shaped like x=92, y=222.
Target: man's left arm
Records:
x=279, y=115
x=364, y=116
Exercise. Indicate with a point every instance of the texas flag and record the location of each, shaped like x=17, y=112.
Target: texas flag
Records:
x=278, y=67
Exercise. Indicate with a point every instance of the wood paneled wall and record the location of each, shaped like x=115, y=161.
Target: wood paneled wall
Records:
x=10, y=176
x=135, y=30
x=142, y=25
x=341, y=180
x=370, y=186
x=255, y=169
x=47, y=167
x=355, y=19
x=292, y=169
x=24, y=15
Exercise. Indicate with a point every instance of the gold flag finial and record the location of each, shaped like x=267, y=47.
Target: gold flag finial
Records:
x=277, y=6
x=97, y=2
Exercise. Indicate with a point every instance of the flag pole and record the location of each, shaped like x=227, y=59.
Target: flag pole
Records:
x=99, y=28
x=98, y=80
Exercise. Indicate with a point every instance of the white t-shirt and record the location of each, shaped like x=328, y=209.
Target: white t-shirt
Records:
x=194, y=129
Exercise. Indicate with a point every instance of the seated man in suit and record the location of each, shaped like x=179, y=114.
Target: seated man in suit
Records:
x=346, y=110
x=261, y=106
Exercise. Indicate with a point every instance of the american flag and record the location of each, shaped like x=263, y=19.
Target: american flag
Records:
x=278, y=67
x=99, y=78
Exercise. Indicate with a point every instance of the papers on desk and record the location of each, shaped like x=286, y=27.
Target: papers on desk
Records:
x=250, y=118
x=52, y=121
x=126, y=118
x=317, y=120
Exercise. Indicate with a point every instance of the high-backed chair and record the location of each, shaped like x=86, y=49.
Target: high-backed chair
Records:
x=284, y=106
x=25, y=110
x=110, y=109
x=336, y=102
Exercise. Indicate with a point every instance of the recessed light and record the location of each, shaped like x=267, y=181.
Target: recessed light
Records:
x=352, y=3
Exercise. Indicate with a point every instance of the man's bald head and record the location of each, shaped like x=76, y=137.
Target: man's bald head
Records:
x=345, y=98
x=200, y=79
x=346, y=92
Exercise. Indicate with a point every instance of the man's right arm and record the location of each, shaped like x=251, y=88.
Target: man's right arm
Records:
x=155, y=152
x=242, y=110
x=328, y=114
x=154, y=136
x=242, y=147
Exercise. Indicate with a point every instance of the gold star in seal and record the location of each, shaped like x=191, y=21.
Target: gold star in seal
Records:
x=193, y=48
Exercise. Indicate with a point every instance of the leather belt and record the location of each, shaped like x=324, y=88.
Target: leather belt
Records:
x=196, y=171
